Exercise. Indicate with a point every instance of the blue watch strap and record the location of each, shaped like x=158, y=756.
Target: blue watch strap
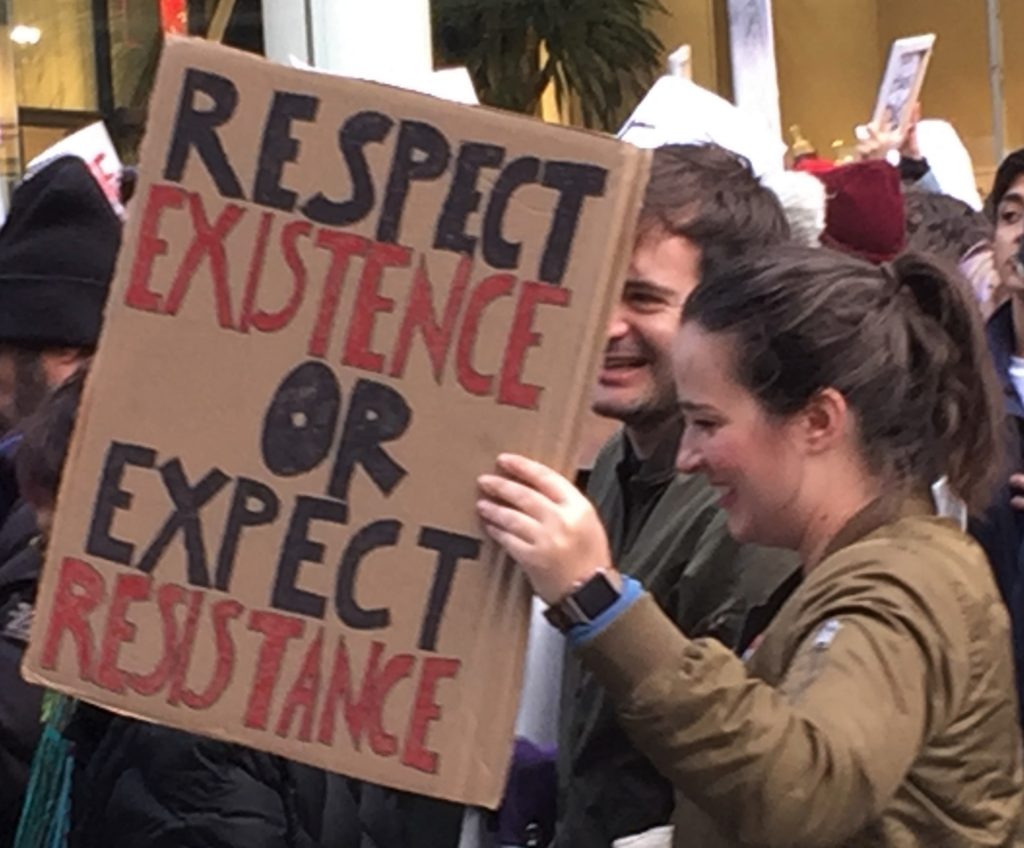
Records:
x=580, y=634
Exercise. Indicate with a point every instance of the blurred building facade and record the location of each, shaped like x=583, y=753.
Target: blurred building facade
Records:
x=66, y=63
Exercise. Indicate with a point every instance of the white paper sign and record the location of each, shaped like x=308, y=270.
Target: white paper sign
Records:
x=656, y=837
x=678, y=111
x=93, y=146
x=949, y=160
x=452, y=84
x=755, y=79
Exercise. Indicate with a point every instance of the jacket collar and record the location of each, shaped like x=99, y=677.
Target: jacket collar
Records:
x=660, y=466
x=999, y=331
x=879, y=512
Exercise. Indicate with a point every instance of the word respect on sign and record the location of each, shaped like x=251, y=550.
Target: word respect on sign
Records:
x=421, y=154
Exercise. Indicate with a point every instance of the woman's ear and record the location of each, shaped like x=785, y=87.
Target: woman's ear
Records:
x=825, y=421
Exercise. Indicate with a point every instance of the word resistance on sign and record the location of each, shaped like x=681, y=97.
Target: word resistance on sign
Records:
x=309, y=705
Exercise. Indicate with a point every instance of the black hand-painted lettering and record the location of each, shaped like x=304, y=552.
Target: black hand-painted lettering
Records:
x=376, y=414
x=498, y=252
x=253, y=504
x=188, y=500
x=279, y=147
x=110, y=497
x=195, y=129
x=575, y=182
x=451, y=548
x=298, y=428
x=379, y=534
x=421, y=153
x=463, y=198
x=298, y=548
x=358, y=131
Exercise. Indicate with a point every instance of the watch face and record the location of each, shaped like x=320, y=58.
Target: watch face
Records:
x=595, y=596
x=585, y=604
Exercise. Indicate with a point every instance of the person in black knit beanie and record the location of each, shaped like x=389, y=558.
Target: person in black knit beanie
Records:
x=58, y=247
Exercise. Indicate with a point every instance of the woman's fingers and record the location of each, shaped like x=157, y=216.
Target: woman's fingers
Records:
x=515, y=494
x=538, y=476
x=512, y=545
x=509, y=520
x=548, y=527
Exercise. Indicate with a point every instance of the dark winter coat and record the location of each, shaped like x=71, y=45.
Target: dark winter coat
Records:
x=20, y=564
x=1001, y=529
x=138, y=785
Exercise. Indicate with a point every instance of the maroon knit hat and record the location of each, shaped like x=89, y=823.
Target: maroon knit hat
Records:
x=864, y=212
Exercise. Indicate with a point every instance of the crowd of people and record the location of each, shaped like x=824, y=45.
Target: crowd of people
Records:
x=790, y=585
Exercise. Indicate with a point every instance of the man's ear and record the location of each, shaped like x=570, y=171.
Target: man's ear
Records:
x=825, y=421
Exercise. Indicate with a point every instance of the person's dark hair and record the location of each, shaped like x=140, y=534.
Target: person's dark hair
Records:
x=129, y=182
x=902, y=343
x=712, y=197
x=46, y=435
x=1009, y=169
x=943, y=226
x=29, y=388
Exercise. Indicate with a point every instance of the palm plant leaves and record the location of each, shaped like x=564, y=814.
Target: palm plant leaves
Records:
x=600, y=53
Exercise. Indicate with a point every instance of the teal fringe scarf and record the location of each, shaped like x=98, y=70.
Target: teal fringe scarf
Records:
x=46, y=815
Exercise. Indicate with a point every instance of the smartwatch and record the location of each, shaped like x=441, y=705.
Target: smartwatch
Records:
x=585, y=603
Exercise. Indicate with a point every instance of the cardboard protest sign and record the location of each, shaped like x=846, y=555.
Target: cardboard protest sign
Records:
x=335, y=303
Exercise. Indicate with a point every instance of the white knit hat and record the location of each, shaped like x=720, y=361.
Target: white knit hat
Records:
x=803, y=200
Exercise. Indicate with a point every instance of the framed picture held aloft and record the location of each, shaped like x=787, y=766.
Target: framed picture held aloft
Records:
x=902, y=82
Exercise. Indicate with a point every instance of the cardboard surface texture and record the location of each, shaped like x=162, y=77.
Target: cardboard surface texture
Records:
x=336, y=303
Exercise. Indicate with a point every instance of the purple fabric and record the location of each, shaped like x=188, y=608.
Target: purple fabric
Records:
x=528, y=810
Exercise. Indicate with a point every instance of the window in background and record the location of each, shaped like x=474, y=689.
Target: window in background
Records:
x=78, y=61
x=135, y=35
x=54, y=58
x=10, y=157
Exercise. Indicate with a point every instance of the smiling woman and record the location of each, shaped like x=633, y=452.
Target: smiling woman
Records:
x=822, y=397
x=744, y=452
